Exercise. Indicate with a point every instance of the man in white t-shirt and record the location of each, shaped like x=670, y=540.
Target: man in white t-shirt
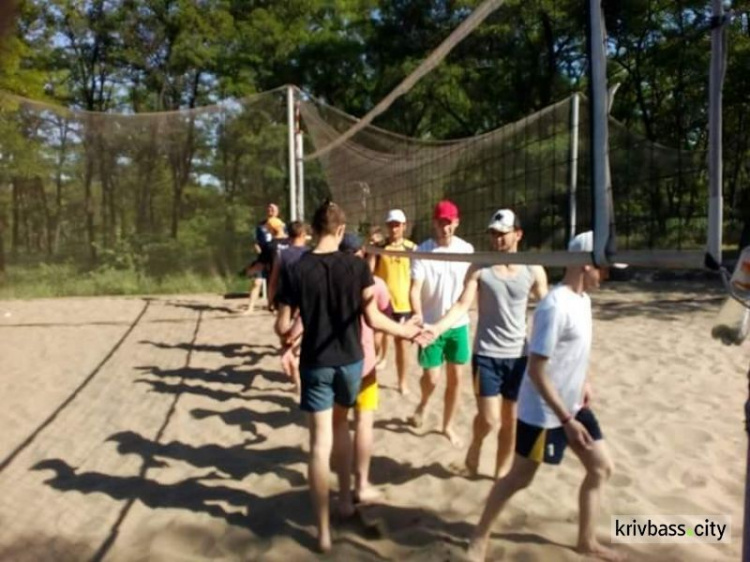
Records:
x=435, y=287
x=553, y=405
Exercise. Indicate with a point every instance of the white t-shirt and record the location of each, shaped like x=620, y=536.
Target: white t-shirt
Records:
x=562, y=333
x=443, y=281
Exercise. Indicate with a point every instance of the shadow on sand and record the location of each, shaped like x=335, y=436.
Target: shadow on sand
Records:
x=282, y=514
x=236, y=462
x=251, y=354
x=229, y=375
x=200, y=306
x=247, y=419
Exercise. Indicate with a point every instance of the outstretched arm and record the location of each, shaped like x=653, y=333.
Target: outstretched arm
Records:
x=380, y=322
x=415, y=297
x=464, y=302
x=540, y=287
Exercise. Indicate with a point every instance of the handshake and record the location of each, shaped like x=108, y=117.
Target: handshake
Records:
x=417, y=331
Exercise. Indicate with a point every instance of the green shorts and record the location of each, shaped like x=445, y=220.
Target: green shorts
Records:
x=452, y=346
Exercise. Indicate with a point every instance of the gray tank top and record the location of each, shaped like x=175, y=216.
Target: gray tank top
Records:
x=501, y=329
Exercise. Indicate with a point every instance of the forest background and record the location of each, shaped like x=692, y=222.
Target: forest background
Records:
x=80, y=226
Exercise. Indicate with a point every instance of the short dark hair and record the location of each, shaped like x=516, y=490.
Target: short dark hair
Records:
x=327, y=218
x=297, y=229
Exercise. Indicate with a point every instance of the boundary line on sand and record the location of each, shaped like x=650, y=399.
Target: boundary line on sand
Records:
x=103, y=550
x=10, y=458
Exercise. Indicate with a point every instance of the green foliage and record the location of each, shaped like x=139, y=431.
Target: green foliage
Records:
x=103, y=206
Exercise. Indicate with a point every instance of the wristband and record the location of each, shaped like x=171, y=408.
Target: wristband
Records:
x=566, y=419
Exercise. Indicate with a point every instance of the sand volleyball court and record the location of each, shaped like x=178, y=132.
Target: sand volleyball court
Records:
x=162, y=429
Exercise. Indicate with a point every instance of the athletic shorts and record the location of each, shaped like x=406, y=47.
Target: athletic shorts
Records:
x=262, y=274
x=368, y=398
x=322, y=386
x=401, y=316
x=494, y=376
x=548, y=446
x=452, y=346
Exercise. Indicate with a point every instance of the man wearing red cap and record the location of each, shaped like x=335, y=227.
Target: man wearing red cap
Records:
x=435, y=287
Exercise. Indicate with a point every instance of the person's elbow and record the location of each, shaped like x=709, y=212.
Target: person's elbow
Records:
x=372, y=317
x=536, y=368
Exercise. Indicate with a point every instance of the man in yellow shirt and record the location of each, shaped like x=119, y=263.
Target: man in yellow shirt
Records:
x=395, y=271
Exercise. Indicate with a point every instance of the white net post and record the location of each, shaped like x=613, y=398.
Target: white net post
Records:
x=601, y=188
x=300, y=157
x=291, y=124
x=575, y=118
x=715, y=218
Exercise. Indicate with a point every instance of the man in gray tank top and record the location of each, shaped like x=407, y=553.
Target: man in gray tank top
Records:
x=499, y=358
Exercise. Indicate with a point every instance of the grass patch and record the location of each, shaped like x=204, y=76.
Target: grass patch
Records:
x=61, y=280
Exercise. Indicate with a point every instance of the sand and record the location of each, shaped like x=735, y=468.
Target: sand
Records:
x=162, y=429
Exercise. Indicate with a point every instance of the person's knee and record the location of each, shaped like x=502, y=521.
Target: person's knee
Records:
x=601, y=471
x=508, y=412
x=519, y=479
x=431, y=376
x=487, y=423
x=340, y=416
x=321, y=445
x=364, y=418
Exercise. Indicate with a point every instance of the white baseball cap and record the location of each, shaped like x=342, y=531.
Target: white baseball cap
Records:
x=504, y=220
x=584, y=242
x=395, y=215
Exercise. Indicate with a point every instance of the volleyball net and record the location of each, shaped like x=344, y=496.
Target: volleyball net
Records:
x=90, y=196
x=174, y=193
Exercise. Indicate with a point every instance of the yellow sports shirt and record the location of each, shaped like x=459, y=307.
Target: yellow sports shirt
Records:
x=396, y=272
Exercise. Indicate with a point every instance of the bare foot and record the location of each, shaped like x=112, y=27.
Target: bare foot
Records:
x=404, y=390
x=416, y=420
x=461, y=469
x=346, y=508
x=366, y=495
x=477, y=550
x=602, y=552
x=452, y=437
x=324, y=543
x=472, y=460
x=382, y=364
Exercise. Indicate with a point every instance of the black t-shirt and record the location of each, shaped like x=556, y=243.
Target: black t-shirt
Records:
x=262, y=235
x=287, y=258
x=327, y=289
x=270, y=250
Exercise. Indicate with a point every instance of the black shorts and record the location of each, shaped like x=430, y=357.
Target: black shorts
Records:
x=401, y=316
x=548, y=446
x=494, y=376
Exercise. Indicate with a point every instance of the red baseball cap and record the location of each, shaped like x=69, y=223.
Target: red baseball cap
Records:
x=446, y=210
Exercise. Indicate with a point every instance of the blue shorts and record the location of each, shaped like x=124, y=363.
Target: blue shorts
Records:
x=545, y=445
x=493, y=376
x=322, y=386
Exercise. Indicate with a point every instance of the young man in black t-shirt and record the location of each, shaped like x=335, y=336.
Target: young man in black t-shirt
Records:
x=332, y=290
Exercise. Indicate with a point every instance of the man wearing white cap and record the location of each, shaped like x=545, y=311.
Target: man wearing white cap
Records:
x=499, y=355
x=396, y=272
x=553, y=406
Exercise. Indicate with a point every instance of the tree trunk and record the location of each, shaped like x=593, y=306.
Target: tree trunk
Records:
x=2, y=246
x=15, y=217
x=56, y=225
x=181, y=159
x=42, y=200
x=89, y=207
